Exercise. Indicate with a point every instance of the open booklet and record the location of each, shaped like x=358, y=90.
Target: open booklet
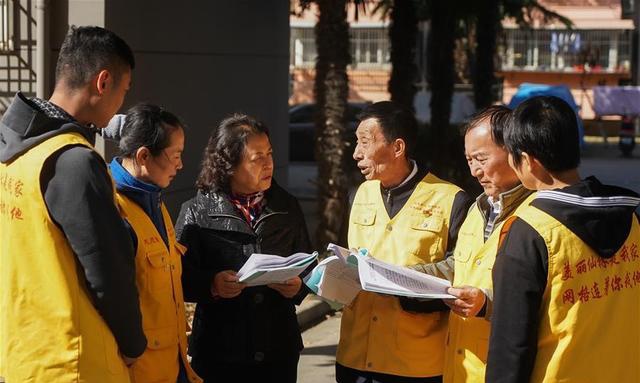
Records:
x=263, y=269
x=339, y=278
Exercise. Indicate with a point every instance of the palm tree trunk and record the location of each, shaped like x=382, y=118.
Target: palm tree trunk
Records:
x=331, y=90
x=402, y=36
x=440, y=68
x=487, y=28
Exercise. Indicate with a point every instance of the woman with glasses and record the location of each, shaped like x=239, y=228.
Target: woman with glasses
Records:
x=151, y=145
x=241, y=334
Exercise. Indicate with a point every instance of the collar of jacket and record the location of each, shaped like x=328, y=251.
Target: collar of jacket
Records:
x=509, y=201
x=24, y=126
x=218, y=205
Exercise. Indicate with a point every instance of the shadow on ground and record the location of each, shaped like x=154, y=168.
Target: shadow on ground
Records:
x=321, y=350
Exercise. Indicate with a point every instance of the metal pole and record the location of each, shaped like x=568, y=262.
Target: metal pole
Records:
x=42, y=46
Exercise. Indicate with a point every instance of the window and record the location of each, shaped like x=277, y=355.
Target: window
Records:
x=566, y=50
x=6, y=26
x=369, y=47
x=302, y=47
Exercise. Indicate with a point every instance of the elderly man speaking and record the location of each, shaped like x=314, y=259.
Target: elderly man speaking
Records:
x=403, y=215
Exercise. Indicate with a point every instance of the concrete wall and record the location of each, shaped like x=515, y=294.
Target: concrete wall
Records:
x=201, y=60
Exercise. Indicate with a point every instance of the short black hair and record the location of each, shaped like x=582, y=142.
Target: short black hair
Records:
x=149, y=126
x=395, y=121
x=546, y=128
x=87, y=50
x=225, y=149
x=498, y=117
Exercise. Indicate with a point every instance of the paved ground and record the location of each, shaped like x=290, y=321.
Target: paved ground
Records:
x=318, y=358
x=606, y=163
x=317, y=361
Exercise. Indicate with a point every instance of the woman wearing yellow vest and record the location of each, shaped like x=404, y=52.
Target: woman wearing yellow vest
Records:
x=151, y=145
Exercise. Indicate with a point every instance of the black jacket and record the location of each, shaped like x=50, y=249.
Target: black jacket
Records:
x=259, y=324
x=78, y=193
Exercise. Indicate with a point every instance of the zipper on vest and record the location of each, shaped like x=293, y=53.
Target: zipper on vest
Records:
x=388, y=198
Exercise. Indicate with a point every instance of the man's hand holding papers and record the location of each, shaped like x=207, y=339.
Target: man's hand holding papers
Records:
x=341, y=277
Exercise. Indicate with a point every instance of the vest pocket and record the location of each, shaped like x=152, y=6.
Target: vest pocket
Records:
x=158, y=273
x=158, y=339
x=432, y=223
x=159, y=363
x=462, y=256
x=414, y=329
x=424, y=239
x=364, y=217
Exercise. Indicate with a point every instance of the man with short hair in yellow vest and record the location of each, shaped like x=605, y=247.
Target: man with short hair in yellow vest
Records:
x=403, y=215
x=69, y=309
x=567, y=276
x=469, y=323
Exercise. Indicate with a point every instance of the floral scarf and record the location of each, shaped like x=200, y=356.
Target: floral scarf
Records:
x=250, y=205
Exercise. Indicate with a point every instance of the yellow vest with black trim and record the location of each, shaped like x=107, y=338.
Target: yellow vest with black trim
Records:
x=590, y=313
x=49, y=329
x=158, y=272
x=468, y=338
x=376, y=334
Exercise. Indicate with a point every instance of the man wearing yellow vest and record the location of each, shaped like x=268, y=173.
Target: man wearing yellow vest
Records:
x=404, y=215
x=468, y=336
x=567, y=276
x=69, y=309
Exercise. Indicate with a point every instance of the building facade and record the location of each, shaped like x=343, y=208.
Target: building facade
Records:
x=597, y=50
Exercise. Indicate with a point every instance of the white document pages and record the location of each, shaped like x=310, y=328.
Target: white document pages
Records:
x=263, y=269
x=381, y=277
x=340, y=278
x=339, y=281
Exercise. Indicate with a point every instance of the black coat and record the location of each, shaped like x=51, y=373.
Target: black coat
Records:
x=259, y=324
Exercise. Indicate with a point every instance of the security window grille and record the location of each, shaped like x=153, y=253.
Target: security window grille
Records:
x=6, y=26
x=302, y=47
x=369, y=47
x=566, y=50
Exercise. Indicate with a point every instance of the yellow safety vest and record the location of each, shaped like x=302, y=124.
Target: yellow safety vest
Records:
x=468, y=338
x=49, y=329
x=376, y=334
x=158, y=271
x=590, y=313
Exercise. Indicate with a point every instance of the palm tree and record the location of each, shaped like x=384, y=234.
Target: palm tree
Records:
x=402, y=35
x=440, y=75
x=487, y=26
x=331, y=90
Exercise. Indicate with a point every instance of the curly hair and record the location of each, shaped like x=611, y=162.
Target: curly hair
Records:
x=225, y=149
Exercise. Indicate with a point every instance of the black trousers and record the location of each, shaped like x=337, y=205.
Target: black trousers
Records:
x=349, y=375
x=285, y=371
